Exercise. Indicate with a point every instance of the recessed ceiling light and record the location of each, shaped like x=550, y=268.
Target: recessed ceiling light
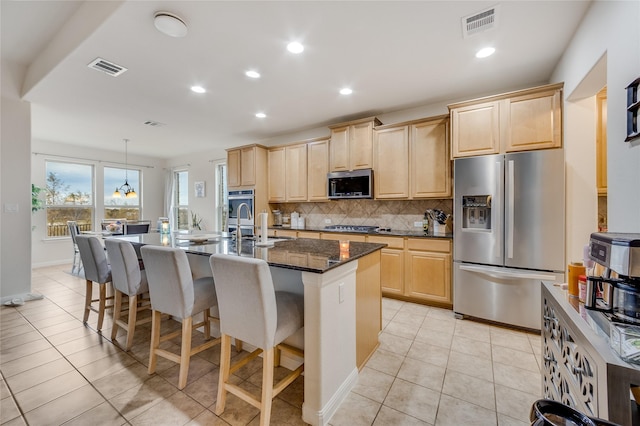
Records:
x=170, y=24
x=198, y=89
x=295, y=47
x=484, y=52
x=346, y=91
x=261, y=115
x=252, y=74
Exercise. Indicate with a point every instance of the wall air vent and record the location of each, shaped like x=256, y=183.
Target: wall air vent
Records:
x=480, y=21
x=154, y=123
x=107, y=67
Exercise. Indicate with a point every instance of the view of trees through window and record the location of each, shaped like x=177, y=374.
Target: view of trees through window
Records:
x=69, y=196
x=181, y=203
x=121, y=207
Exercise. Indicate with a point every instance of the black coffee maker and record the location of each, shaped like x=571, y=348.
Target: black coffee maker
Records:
x=617, y=291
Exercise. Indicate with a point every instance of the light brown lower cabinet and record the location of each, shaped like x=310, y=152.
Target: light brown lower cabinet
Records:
x=428, y=270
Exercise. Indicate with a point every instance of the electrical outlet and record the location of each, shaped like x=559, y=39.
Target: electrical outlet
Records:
x=327, y=221
x=417, y=224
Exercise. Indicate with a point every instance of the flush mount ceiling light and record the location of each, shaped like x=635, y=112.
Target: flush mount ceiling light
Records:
x=261, y=115
x=346, y=91
x=126, y=189
x=484, y=52
x=252, y=74
x=198, y=89
x=295, y=47
x=170, y=24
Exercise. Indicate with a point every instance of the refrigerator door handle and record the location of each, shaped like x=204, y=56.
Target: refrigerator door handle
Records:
x=510, y=216
x=493, y=273
x=497, y=208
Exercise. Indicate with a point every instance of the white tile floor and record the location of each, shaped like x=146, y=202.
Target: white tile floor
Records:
x=430, y=368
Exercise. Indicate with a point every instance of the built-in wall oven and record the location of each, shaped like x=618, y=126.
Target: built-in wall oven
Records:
x=235, y=200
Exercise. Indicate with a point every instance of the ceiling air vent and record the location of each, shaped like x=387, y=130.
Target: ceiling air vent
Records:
x=107, y=67
x=480, y=21
x=154, y=123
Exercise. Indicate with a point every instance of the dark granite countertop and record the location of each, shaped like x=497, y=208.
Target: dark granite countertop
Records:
x=303, y=254
x=391, y=233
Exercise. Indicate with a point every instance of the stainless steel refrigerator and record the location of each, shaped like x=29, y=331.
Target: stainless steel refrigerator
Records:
x=509, y=234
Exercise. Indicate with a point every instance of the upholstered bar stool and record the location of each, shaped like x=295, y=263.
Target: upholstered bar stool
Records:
x=130, y=281
x=96, y=270
x=251, y=310
x=174, y=292
x=72, y=225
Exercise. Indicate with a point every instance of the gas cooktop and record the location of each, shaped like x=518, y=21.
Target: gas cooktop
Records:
x=351, y=228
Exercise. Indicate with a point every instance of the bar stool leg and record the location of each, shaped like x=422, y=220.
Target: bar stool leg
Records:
x=225, y=364
x=156, y=318
x=267, y=386
x=102, y=305
x=133, y=317
x=185, y=352
x=117, y=311
x=87, y=300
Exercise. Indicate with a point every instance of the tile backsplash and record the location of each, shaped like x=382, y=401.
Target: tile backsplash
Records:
x=395, y=214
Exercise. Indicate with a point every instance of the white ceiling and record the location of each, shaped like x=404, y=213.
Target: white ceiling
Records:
x=393, y=54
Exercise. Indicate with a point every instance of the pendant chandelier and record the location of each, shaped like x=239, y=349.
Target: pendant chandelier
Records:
x=126, y=189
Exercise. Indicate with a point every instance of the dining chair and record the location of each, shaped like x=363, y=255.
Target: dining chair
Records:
x=173, y=291
x=76, y=267
x=96, y=269
x=251, y=310
x=128, y=280
x=141, y=227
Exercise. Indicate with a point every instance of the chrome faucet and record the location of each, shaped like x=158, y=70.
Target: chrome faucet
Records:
x=239, y=212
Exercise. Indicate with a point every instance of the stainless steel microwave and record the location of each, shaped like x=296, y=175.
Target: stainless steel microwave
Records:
x=353, y=184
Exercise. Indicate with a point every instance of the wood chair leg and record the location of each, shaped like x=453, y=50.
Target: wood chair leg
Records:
x=238, y=343
x=185, y=352
x=225, y=364
x=133, y=317
x=276, y=357
x=87, y=300
x=117, y=311
x=156, y=318
x=207, y=323
x=267, y=386
x=101, y=305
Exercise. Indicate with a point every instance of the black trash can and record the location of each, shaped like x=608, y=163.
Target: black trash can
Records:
x=546, y=412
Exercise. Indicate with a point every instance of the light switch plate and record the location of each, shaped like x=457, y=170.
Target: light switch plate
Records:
x=10, y=208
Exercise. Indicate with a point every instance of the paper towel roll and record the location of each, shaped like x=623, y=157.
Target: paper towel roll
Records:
x=263, y=227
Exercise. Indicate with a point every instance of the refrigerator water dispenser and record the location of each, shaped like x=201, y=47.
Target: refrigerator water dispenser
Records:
x=476, y=212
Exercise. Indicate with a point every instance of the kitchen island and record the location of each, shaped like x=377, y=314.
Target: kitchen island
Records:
x=342, y=302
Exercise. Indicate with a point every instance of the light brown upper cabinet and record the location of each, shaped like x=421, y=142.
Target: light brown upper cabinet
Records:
x=317, y=169
x=391, y=162
x=430, y=161
x=351, y=146
x=277, y=175
x=244, y=164
x=601, y=142
x=516, y=121
x=411, y=160
x=288, y=173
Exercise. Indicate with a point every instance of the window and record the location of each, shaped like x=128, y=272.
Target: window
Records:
x=69, y=196
x=181, y=201
x=121, y=207
x=222, y=207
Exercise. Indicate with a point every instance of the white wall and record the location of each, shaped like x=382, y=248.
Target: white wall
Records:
x=611, y=28
x=15, y=189
x=53, y=251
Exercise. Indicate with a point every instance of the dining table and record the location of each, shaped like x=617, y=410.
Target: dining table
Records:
x=325, y=273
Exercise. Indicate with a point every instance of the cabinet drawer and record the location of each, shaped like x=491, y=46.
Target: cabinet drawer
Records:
x=286, y=233
x=426, y=244
x=306, y=234
x=344, y=237
x=392, y=242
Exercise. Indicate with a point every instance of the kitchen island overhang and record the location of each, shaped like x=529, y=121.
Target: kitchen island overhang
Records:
x=330, y=279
